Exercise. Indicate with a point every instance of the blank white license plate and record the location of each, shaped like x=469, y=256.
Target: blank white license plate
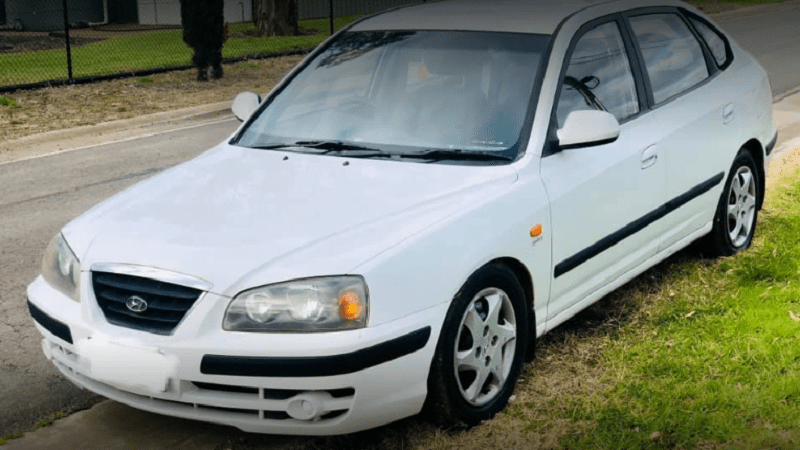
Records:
x=127, y=366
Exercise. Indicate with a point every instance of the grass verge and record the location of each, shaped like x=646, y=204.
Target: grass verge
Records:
x=714, y=358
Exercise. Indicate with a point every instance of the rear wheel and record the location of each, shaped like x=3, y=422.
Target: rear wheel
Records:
x=481, y=349
x=737, y=211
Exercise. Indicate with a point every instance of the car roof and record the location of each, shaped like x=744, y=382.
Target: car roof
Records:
x=521, y=16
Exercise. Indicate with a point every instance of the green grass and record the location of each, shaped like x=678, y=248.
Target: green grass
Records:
x=40, y=424
x=717, y=360
x=8, y=101
x=147, y=51
x=10, y=436
x=49, y=421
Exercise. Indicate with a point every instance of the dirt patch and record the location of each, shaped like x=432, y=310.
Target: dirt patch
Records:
x=64, y=107
x=782, y=166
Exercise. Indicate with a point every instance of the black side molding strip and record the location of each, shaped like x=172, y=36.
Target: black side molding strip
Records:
x=323, y=366
x=635, y=226
x=771, y=145
x=59, y=329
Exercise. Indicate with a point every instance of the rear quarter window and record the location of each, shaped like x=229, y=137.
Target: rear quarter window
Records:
x=714, y=39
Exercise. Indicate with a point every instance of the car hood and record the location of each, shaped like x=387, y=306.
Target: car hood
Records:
x=236, y=217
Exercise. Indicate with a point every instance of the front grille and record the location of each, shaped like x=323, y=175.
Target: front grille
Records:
x=167, y=303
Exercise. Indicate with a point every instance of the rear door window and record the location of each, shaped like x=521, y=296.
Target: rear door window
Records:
x=672, y=55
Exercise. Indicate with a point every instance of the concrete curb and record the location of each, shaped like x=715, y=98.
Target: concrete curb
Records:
x=99, y=428
x=786, y=116
x=58, y=141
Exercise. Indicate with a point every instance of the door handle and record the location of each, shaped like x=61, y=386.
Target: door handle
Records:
x=727, y=113
x=649, y=156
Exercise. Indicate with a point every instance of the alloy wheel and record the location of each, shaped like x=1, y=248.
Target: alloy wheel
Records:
x=741, y=206
x=485, y=346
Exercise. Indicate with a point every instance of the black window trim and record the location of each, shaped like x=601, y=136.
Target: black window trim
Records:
x=644, y=89
x=551, y=145
x=711, y=63
x=690, y=16
x=711, y=66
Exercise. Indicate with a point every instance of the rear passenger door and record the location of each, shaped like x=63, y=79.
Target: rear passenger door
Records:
x=696, y=137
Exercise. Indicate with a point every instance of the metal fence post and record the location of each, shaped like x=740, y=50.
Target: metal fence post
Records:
x=66, y=37
x=331, y=11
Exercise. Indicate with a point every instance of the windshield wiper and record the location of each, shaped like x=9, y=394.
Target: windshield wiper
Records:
x=360, y=151
x=327, y=147
x=458, y=155
x=272, y=146
x=333, y=146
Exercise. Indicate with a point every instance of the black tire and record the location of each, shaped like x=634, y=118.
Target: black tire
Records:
x=450, y=400
x=734, y=232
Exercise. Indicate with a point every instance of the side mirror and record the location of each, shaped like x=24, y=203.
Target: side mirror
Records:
x=588, y=128
x=245, y=104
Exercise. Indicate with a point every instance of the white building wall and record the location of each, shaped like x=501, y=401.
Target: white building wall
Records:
x=168, y=12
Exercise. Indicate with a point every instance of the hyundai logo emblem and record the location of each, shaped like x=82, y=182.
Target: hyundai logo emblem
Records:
x=136, y=304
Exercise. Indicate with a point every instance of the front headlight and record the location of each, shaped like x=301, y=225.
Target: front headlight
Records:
x=309, y=304
x=61, y=268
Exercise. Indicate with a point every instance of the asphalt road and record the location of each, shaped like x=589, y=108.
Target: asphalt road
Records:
x=773, y=39
x=38, y=196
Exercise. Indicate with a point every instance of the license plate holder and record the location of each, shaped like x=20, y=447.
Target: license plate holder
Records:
x=126, y=365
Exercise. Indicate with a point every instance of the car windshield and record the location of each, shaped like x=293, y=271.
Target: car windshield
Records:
x=407, y=93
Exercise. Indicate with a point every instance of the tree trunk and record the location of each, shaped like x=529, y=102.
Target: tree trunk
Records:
x=276, y=17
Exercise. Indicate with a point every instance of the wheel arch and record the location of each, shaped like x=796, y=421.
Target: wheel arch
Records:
x=756, y=150
x=525, y=279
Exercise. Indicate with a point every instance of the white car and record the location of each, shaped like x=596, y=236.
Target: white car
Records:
x=394, y=225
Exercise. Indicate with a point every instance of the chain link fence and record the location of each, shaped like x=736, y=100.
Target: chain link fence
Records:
x=56, y=42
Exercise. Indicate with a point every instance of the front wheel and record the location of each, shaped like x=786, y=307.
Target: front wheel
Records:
x=481, y=349
x=737, y=211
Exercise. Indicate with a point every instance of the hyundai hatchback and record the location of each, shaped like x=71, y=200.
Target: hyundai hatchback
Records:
x=394, y=224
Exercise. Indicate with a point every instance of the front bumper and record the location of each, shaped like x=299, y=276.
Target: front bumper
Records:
x=310, y=384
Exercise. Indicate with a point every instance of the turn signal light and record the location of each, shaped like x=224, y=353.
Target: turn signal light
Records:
x=536, y=231
x=350, y=306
